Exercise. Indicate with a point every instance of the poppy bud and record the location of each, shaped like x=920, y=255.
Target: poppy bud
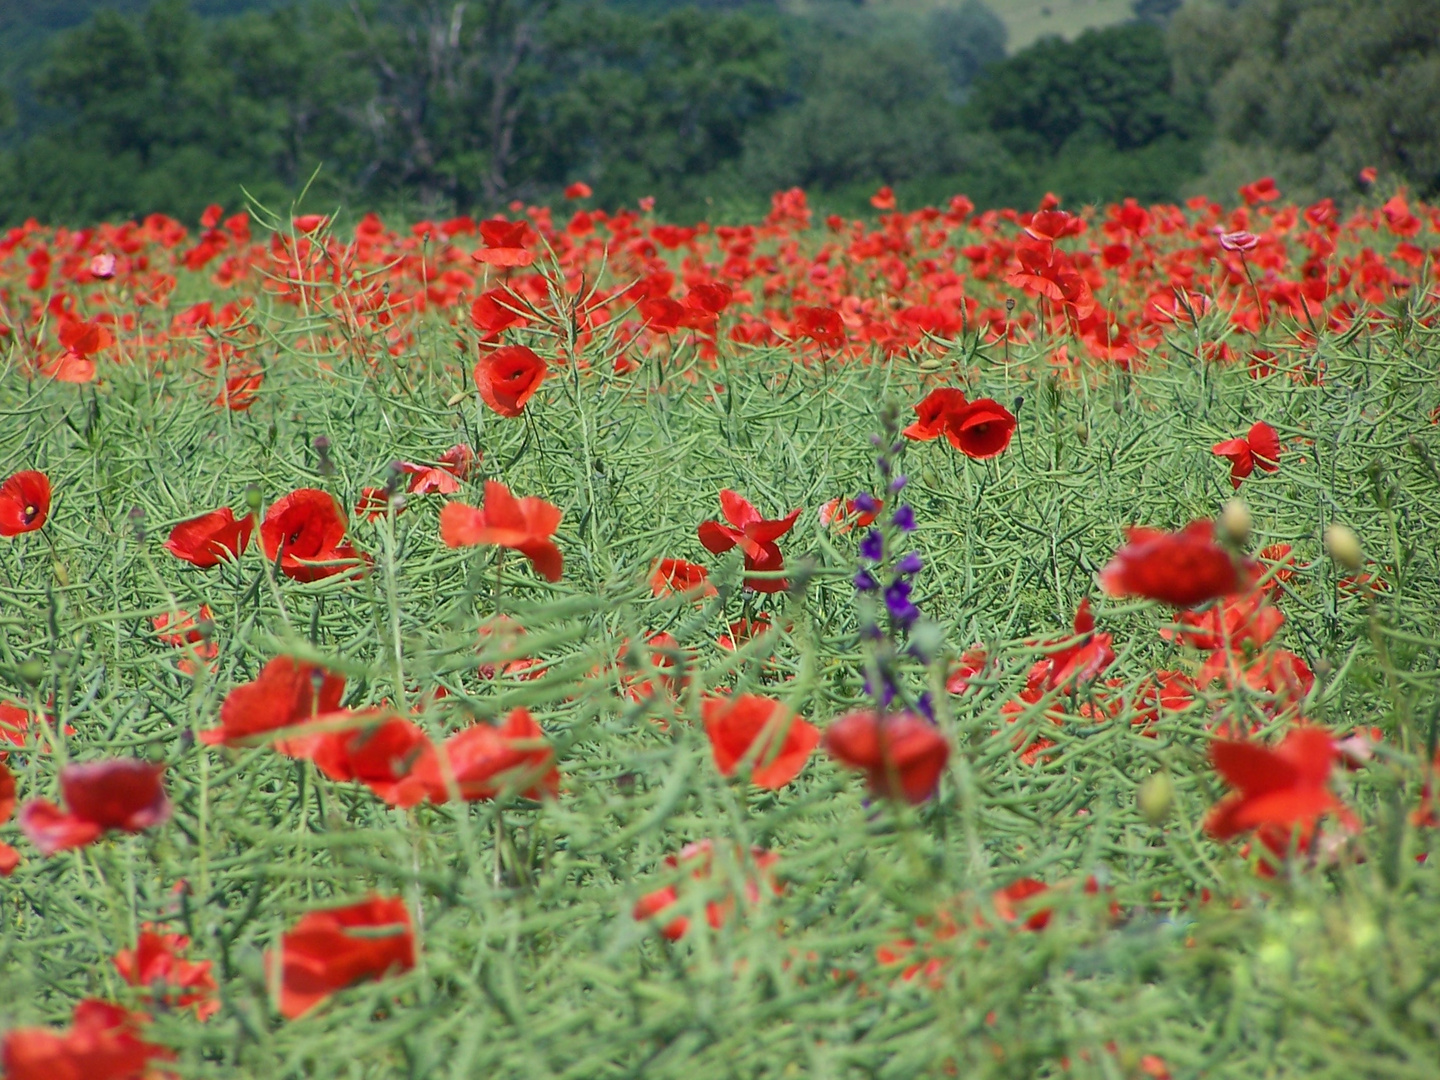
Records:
x=1156, y=797
x=32, y=670
x=1344, y=546
x=1235, y=522
x=252, y=498
x=1083, y=434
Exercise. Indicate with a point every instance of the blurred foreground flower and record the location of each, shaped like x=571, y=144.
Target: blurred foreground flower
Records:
x=526, y=525
x=339, y=947
x=102, y=1043
x=123, y=794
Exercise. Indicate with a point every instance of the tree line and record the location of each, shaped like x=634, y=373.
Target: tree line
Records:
x=437, y=106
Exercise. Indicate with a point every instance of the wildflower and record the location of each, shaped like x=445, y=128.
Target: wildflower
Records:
x=486, y=761
x=754, y=535
x=102, y=1043
x=578, y=190
x=24, y=503
x=155, y=965
x=123, y=794
x=205, y=540
x=445, y=475
x=849, y=514
x=902, y=755
x=982, y=429
x=933, y=412
x=9, y=857
x=387, y=753
x=305, y=530
x=1182, y=569
x=762, y=729
x=508, y=377
x=329, y=950
x=505, y=244
x=1015, y=895
x=526, y=525
x=286, y=693
x=699, y=859
x=679, y=576
x=1260, y=447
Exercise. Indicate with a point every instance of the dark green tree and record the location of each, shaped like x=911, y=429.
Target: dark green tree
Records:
x=965, y=39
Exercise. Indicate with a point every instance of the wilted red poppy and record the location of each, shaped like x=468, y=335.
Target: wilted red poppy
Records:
x=1184, y=568
x=981, y=429
x=526, y=525
x=102, y=1043
x=286, y=693
x=207, y=539
x=305, y=529
x=679, y=576
x=902, y=755
x=387, y=753
x=485, y=761
x=156, y=966
x=504, y=244
x=122, y=794
x=1260, y=447
x=24, y=502
x=754, y=535
x=777, y=742
x=1282, y=788
x=330, y=950
x=508, y=377
x=9, y=857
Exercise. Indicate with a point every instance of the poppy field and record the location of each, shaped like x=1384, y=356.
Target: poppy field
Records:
x=952, y=643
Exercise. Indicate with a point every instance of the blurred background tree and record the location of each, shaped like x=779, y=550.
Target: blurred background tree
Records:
x=121, y=107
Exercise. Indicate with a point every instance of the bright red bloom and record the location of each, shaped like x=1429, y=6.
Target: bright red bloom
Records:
x=1277, y=790
x=902, y=755
x=122, y=794
x=821, y=325
x=1183, y=569
x=102, y=1043
x=186, y=629
x=155, y=965
x=329, y=950
x=679, y=576
x=497, y=310
x=981, y=429
x=933, y=413
x=972, y=663
x=309, y=223
x=285, y=694
x=504, y=244
x=209, y=538
x=9, y=857
x=1085, y=656
x=754, y=535
x=883, y=199
x=485, y=761
x=387, y=753
x=526, y=525
x=24, y=503
x=1262, y=190
x=753, y=725
x=508, y=377
x=1238, y=620
x=578, y=190
x=1260, y=447
x=305, y=529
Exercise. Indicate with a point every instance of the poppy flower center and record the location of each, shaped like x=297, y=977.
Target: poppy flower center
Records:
x=31, y=512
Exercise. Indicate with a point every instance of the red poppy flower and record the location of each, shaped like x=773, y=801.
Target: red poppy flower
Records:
x=9, y=857
x=754, y=535
x=526, y=525
x=387, y=753
x=497, y=310
x=1005, y=902
x=972, y=663
x=981, y=429
x=1183, y=569
x=102, y=1043
x=699, y=859
x=753, y=725
x=504, y=244
x=309, y=223
x=508, y=377
x=445, y=475
x=1238, y=620
x=933, y=413
x=286, y=693
x=185, y=629
x=847, y=515
x=122, y=794
x=329, y=950
x=883, y=199
x=305, y=529
x=70, y=367
x=207, y=539
x=902, y=755
x=1260, y=447
x=374, y=503
x=156, y=966
x=486, y=761
x=1283, y=788
x=24, y=503
x=679, y=576
x=578, y=190
x=1085, y=656
x=239, y=391
x=821, y=325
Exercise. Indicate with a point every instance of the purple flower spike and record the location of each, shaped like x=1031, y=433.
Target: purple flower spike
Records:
x=897, y=602
x=904, y=518
x=926, y=707
x=866, y=504
x=865, y=582
x=873, y=546
x=898, y=484
x=911, y=564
